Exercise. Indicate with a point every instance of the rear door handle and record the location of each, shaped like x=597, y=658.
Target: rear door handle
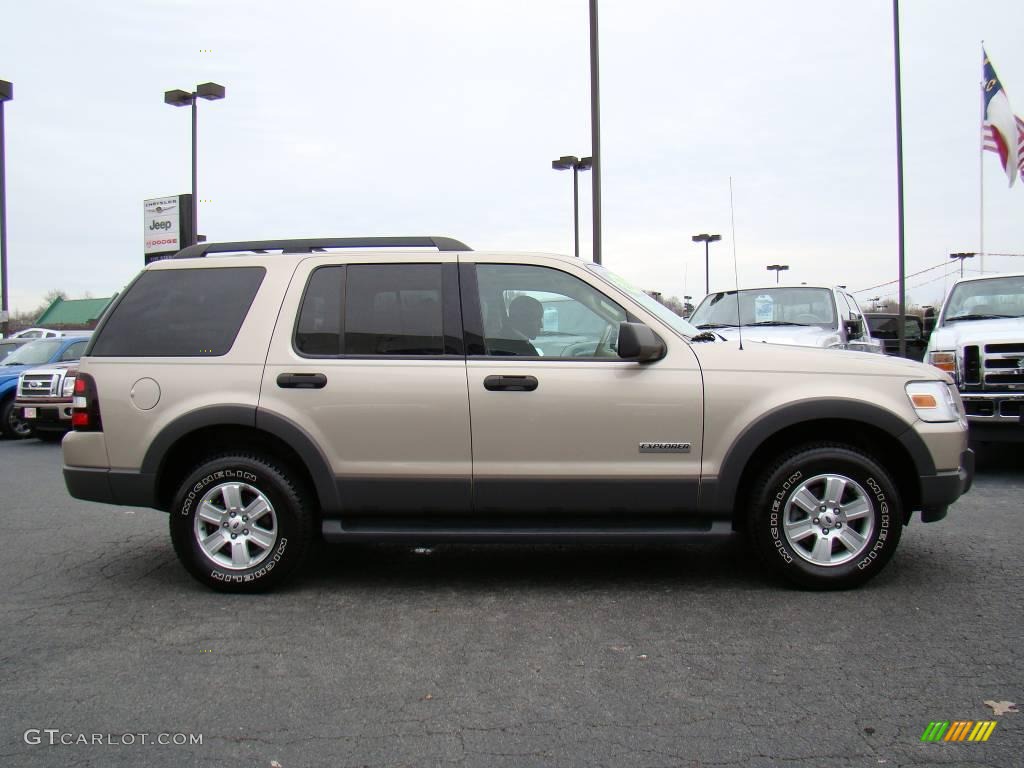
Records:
x=510, y=383
x=302, y=381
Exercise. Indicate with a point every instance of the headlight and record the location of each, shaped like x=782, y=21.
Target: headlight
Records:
x=944, y=361
x=934, y=401
x=69, y=386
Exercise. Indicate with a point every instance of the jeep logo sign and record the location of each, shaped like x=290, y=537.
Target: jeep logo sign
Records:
x=165, y=224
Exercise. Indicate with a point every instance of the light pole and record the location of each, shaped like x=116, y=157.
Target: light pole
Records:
x=778, y=268
x=564, y=163
x=177, y=98
x=6, y=94
x=874, y=302
x=707, y=240
x=962, y=256
x=595, y=134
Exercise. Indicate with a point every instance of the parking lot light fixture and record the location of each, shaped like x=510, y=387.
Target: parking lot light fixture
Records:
x=179, y=98
x=564, y=163
x=962, y=256
x=707, y=240
x=778, y=268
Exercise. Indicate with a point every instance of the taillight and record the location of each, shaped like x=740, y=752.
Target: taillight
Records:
x=85, y=415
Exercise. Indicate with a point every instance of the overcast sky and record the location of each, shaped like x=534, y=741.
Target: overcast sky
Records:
x=411, y=117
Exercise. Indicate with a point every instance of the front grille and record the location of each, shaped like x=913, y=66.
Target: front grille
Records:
x=1017, y=377
x=1000, y=367
x=39, y=385
x=999, y=348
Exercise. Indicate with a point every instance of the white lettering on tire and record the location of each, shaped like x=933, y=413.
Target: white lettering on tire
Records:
x=259, y=573
x=773, y=517
x=197, y=489
x=883, y=533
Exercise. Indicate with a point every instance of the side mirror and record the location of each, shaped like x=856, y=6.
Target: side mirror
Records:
x=638, y=342
x=854, y=329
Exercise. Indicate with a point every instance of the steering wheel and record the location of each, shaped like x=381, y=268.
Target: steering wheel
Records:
x=580, y=349
x=604, y=347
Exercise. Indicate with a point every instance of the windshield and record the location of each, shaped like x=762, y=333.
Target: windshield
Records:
x=34, y=353
x=986, y=299
x=6, y=349
x=657, y=309
x=767, y=306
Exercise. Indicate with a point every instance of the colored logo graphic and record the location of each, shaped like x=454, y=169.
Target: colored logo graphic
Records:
x=959, y=730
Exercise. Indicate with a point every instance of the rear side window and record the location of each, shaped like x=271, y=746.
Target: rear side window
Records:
x=371, y=310
x=180, y=313
x=73, y=352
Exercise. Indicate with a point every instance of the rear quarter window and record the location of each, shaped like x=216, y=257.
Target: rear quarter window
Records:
x=180, y=313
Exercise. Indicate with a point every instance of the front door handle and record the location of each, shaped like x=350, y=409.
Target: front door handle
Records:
x=302, y=381
x=510, y=383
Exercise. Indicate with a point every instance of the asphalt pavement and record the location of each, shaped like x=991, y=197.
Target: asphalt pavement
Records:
x=500, y=656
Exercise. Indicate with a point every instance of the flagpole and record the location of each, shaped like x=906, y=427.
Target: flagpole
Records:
x=899, y=177
x=981, y=168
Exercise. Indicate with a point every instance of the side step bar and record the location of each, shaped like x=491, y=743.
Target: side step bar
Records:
x=334, y=531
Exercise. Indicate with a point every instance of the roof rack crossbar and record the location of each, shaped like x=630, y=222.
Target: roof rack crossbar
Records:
x=313, y=244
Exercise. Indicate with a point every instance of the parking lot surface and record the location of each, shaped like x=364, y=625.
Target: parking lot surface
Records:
x=672, y=655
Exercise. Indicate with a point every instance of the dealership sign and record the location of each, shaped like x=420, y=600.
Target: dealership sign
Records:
x=167, y=222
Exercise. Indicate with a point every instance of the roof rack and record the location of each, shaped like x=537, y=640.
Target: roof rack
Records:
x=316, y=244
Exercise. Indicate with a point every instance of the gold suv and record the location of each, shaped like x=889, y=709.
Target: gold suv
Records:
x=266, y=393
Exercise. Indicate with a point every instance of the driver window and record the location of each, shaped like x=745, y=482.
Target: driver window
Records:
x=543, y=312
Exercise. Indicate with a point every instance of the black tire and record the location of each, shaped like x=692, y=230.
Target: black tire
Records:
x=12, y=426
x=49, y=436
x=263, y=552
x=817, y=546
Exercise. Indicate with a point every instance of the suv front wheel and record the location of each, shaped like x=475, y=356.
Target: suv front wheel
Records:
x=239, y=524
x=826, y=517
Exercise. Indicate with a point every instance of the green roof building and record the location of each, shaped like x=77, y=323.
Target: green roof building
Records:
x=73, y=313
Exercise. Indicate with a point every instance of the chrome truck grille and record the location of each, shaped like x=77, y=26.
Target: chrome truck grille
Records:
x=39, y=385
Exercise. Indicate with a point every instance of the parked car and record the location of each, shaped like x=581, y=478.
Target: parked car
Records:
x=264, y=399
x=31, y=355
x=9, y=345
x=803, y=315
x=979, y=341
x=44, y=399
x=886, y=328
x=38, y=333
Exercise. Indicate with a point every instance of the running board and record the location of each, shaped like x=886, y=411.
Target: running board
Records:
x=335, y=531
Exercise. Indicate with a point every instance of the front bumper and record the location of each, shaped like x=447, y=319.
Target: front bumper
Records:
x=44, y=415
x=940, y=490
x=993, y=406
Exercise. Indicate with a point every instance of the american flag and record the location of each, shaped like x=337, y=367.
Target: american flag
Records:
x=989, y=143
x=1003, y=131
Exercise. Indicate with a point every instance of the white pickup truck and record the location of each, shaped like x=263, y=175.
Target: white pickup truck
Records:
x=979, y=340
x=827, y=317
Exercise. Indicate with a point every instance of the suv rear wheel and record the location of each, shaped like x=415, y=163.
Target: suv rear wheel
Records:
x=826, y=517
x=239, y=524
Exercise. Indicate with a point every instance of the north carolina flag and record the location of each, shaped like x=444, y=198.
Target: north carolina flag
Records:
x=1004, y=133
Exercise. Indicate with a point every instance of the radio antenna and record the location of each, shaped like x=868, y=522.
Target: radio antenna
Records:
x=735, y=268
